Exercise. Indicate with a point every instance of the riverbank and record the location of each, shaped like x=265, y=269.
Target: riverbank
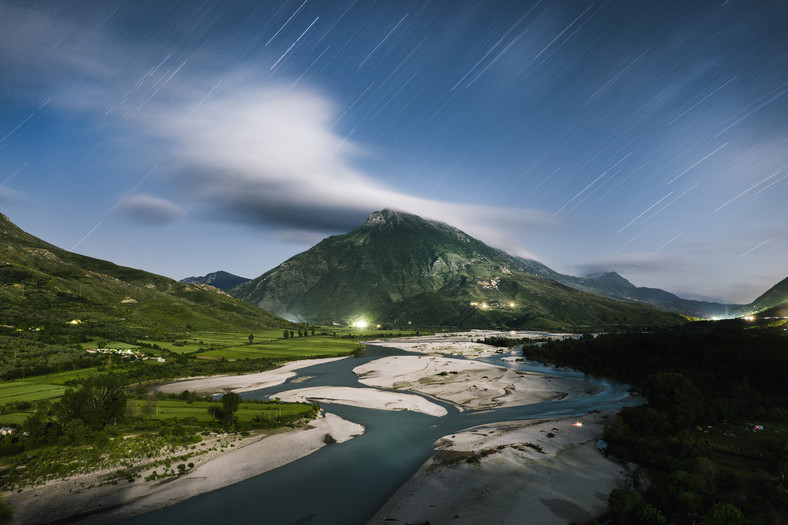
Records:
x=241, y=382
x=363, y=397
x=466, y=344
x=227, y=459
x=468, y=384
x=548, y=470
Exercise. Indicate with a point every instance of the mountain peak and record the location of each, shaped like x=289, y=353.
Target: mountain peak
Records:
x=399, y=268
x=378, y=217
x=389, y=216
x=611, y=278
x=220, y=279
x=396, y=218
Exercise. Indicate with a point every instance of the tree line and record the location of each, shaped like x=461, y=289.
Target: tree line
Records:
x=703, y=382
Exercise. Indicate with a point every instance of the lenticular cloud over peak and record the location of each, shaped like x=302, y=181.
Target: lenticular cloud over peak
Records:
x=269, y=154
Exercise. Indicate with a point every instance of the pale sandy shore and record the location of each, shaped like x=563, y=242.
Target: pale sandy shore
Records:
x=240, y=459
x=468, y=384
x=243, y=382
x=546, y=472
x=461, y=343
x=363, y=397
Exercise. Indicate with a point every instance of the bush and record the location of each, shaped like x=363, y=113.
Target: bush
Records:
x=724, y=514
x=624, y=505
x=6, y=513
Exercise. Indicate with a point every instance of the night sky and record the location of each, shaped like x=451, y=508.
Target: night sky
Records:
x=648, y=138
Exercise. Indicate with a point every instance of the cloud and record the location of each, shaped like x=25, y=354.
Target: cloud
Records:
x=150, y=209
x=38, y=45
x=10, y=197
x=268, y=154
x=232, y=141
x=299, y=236
x=641, y=262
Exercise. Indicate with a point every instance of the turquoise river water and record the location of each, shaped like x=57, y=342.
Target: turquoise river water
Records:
x=347, y=483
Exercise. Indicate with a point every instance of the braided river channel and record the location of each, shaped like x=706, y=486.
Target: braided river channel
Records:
x=346, y=483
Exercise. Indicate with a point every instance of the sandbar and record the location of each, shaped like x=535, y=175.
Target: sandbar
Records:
x=547, y=470
x=465, y=344
x=468, y=384
x=363, y=397
x=242, y=382
x=241, y=459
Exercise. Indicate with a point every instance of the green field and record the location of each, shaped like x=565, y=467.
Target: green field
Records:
x=299, y=348
x=269, y=344
x=204, y=345
x=196, y=341
x=48, y=387
x=14, y=418
x=176, y=409
x=37, y=388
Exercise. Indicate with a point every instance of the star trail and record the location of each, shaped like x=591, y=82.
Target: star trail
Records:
x=648, y=138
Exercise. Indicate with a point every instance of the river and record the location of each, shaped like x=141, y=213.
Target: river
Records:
x=347, y=483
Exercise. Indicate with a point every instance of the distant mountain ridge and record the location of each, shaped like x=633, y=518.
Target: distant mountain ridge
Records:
x=221, y=280
x=611, y=284
x=399, y=268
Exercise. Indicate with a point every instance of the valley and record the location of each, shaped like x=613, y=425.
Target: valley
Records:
x=129, y=394
x=91, y=491
x=320, y=262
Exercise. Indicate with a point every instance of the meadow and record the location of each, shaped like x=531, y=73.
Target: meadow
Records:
x=205, y=411
x=37, y=388
x=260, y=349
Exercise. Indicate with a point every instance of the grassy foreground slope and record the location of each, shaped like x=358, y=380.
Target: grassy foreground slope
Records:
x=45, y=288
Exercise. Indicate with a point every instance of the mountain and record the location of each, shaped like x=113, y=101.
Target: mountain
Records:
x=221, y=280
x=42, y=285
x=611, y=284
x=773, y=302
x=399, y=269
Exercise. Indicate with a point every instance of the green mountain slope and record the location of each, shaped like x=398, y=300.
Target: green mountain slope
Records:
x=398, y=268
x=775, y=299
x=42, y=285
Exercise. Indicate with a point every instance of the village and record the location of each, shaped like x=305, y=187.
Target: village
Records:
x=125, y=353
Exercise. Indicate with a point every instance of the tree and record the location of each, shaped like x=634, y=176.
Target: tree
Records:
x=251, y=338
x=779, y=455
x=724, y=514
x=650, y=515
x=6, y=512
x=675, y=395
x=39, y=425
x=99, y=402
x=230, y=403
x=624, y=505
x=285, y=333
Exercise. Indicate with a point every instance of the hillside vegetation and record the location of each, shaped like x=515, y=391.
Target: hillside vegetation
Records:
x=400, y=270
x=712, y=440
x=66, y=295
